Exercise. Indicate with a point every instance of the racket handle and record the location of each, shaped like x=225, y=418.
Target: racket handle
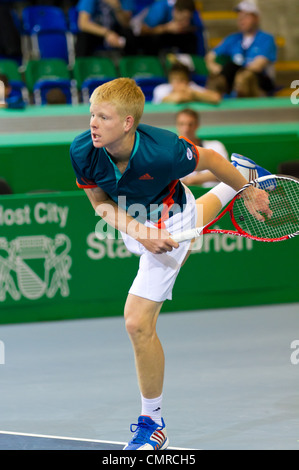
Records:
x=187, y=235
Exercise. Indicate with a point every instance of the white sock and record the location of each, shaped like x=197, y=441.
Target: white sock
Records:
x=224, y=193
x=152, y=407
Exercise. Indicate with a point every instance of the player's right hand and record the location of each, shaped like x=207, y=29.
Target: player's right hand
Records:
x=158, y=241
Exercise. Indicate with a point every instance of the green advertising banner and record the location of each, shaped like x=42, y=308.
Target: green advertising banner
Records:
x=55, y=264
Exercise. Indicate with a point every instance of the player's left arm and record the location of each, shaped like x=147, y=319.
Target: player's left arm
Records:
x=224, y=171
x=221, y=168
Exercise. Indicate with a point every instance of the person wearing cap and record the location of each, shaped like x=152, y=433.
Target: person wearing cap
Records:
x=250, y=54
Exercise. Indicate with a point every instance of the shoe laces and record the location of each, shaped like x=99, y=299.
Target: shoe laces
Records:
x=142, y=430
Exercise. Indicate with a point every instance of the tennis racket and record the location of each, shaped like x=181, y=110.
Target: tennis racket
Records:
x=283, y=193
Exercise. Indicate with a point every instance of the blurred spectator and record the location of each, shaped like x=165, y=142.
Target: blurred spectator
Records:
x=4, y=187
x=10, y=38
x=56, y=96
x=290, y=167
x=9, y=98
x=103, y=22
x=187, y=124
x=141, y=5
x=251, y=54
x=180, y=89
x=174, y=26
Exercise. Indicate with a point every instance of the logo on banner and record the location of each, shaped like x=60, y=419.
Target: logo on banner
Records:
x=34, y=266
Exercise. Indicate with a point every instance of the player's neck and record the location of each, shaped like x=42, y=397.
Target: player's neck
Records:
x=121, y=150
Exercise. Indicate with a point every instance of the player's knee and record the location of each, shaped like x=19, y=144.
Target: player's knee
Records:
x=140, y=318
x=136, y=326
x=133, y=328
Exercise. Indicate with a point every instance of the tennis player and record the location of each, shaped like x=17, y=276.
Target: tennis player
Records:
x=131, y=174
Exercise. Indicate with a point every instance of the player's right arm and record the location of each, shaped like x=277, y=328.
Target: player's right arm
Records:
x=154, y=240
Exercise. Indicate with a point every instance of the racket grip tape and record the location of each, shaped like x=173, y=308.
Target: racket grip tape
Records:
x=187, y=235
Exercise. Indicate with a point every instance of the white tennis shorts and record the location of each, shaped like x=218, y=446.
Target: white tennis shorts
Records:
x=157, y=273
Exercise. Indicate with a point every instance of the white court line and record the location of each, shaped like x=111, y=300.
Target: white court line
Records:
x=45, y=436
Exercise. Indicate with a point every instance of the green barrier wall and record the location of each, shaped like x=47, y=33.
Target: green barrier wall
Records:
x=280, y=104
x=53, y=266
x=40, y=161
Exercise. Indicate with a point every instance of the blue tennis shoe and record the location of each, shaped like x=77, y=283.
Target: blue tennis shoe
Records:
x=248, y=168
x=251, y=171
x=148, y=435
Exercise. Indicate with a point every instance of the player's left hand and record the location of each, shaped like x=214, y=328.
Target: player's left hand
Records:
x=257, y=202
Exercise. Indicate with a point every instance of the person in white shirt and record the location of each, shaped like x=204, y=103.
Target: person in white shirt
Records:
x=180, y=89
x=187, y=124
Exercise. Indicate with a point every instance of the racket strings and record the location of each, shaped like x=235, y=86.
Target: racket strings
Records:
x=283, y=201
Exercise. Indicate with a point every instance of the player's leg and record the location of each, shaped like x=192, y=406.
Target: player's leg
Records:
x=152, y=285
x=141, y=318
x=210, y=204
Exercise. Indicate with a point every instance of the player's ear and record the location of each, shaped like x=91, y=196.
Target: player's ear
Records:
x=129, y=123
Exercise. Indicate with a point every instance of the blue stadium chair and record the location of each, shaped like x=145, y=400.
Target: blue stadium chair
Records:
x=91, y=72
x=47, y=28
x=42, y=87
x=43, y=18
x=51, y=45
x=73, y=20
x=147, y=71
x=89, y=85
x=19, y=90
x=148, y=85
x=45, y=74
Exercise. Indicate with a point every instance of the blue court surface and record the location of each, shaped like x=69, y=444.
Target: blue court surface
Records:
x=231, y=382
x=26, y=441
x=23, y=441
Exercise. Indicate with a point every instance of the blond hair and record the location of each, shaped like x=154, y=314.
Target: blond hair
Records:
x=124, y=94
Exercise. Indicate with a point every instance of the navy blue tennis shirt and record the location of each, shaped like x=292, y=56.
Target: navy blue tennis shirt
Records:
x=158, y=160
